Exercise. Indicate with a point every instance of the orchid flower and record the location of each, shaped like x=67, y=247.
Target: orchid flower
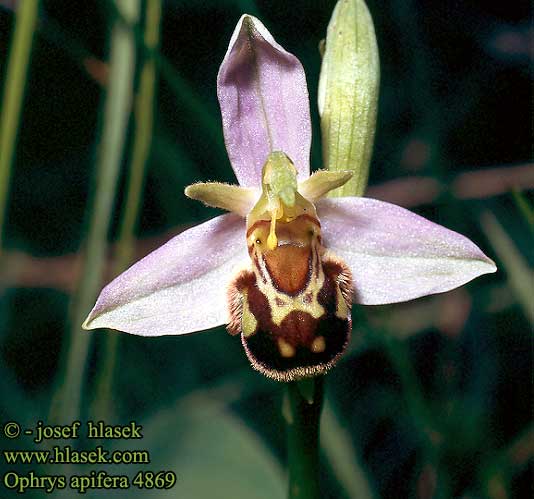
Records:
x=283, y=268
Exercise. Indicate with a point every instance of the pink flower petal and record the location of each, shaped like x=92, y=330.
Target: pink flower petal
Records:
x=180, y=287
x=394, y=254
x=264, y=103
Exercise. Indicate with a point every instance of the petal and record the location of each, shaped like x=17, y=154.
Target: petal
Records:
x=178, y=288
x=394, y=254
x=233, y=198
x=264, y=103
x=322, y=182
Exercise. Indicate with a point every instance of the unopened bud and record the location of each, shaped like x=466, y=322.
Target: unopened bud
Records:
x=348, y=94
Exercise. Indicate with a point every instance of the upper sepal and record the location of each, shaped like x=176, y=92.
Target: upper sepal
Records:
x=394, y=254
x=264, y=102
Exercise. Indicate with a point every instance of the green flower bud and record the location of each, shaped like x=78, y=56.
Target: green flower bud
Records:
x=348, y=94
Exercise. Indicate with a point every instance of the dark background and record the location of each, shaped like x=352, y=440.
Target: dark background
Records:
x=434, y=397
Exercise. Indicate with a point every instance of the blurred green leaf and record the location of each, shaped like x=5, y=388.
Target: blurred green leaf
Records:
x=526, y=209
x=520, y=276
x=213, y=453
x=336, y=444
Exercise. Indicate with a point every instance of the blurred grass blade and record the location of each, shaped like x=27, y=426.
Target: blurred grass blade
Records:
x=116, y=113
x=14, y=86
x=348, y=94
x=526, y=209
x=336, y=444
x=198, y=112
x=520, y=276
x=144, y=120
x=497, y=473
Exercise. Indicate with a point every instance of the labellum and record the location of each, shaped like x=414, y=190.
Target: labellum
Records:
x=292, y=306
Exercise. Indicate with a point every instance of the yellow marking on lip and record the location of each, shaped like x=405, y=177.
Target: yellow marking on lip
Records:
x=318, y=345
x=286, y=350
x=249, y=323
x=287, y=304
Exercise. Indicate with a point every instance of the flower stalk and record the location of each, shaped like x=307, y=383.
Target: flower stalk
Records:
x=302, y=418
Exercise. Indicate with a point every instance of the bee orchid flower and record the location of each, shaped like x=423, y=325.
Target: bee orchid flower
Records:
x=283, y=268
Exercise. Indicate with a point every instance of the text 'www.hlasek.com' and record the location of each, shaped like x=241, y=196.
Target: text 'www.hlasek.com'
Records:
x=57, y=447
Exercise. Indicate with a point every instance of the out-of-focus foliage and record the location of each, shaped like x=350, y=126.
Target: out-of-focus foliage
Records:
x=433, y=398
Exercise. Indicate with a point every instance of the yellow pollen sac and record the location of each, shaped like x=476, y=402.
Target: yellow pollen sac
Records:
x=277, y=212
x=272, y=240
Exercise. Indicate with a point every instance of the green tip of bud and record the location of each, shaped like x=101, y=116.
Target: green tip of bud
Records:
x=348, y=93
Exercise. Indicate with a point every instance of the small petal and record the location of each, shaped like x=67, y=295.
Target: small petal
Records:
x=180, y=287
x=264, y=102
x=322, y=182
x=394, y=254
x=232, y=198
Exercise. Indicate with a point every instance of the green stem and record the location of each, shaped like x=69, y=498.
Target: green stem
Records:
x=116, y=114
x=19, y=57
x=144, y=120
x=302, y=418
